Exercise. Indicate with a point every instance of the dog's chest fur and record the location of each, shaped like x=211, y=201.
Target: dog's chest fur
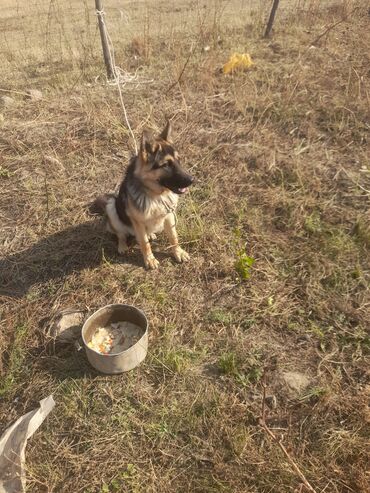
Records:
x=154, y=211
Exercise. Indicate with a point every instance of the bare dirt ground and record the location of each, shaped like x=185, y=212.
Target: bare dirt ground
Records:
x=277, y=227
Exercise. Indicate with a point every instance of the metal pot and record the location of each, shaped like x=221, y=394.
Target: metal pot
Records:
x=127, y=359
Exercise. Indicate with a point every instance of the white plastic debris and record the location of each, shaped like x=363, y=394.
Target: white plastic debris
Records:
x=12, y=447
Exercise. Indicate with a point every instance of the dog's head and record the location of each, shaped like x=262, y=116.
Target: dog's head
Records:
x=160, y=163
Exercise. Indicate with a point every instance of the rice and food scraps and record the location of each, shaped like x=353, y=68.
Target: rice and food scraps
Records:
x=116, y=338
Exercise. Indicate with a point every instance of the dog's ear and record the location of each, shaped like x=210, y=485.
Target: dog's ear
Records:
x=144, y=142
x=147, y=144
x=166, y=132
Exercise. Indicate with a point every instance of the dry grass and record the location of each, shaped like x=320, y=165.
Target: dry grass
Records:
x=282, y=162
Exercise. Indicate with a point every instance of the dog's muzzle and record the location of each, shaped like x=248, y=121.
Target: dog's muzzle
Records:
x=178, y=184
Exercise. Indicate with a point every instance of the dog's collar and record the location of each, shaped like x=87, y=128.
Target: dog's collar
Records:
x=169, y=204
x=168, y=207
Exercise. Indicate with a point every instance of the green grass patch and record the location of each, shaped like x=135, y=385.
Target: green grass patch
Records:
x=313, y=223
x=358, y=340
x=244, y=369
x=177, y=360
x=190, y=224
x=361, y=231
x=5, y=173
x=148, y=290
x=313, y=393
x=16, y=358
x=218, y=315
x=125, y=479
x=243, y=264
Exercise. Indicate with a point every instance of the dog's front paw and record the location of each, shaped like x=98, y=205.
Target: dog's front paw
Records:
x=122, y=247
x=180, y=255
x=151, y=262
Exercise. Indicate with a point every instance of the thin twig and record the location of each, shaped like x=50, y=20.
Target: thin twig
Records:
x=264, y=386
x=262, y=422
x=328, y=29
x=46, y=196
x=14, y=92
x=183, y=69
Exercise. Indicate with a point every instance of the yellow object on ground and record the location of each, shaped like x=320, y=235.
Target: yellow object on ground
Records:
x=238, y=61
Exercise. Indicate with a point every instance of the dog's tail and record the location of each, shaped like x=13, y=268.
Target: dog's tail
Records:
x=99, y=204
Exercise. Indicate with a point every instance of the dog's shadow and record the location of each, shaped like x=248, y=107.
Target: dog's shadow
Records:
x=54, y=257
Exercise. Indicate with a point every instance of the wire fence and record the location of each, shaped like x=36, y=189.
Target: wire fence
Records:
x=40, y=40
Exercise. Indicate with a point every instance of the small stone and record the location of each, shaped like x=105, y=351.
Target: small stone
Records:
x=34, y=95
x=52, y=160
x=297, y=382
x=2, y=120
x=6, y=101
x=271, y=401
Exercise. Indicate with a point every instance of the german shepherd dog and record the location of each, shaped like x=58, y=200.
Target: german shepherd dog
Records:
x=147, y=198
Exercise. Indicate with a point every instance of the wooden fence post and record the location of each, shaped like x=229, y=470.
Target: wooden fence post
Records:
x=104, y=40
x=271, y=18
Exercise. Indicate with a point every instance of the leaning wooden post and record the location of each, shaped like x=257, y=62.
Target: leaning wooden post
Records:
x=271, y=18
x=104, y=40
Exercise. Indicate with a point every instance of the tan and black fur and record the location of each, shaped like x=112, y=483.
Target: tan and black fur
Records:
x=147, y=198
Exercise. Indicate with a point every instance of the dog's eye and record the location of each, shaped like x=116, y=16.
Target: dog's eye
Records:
x=167, y=164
